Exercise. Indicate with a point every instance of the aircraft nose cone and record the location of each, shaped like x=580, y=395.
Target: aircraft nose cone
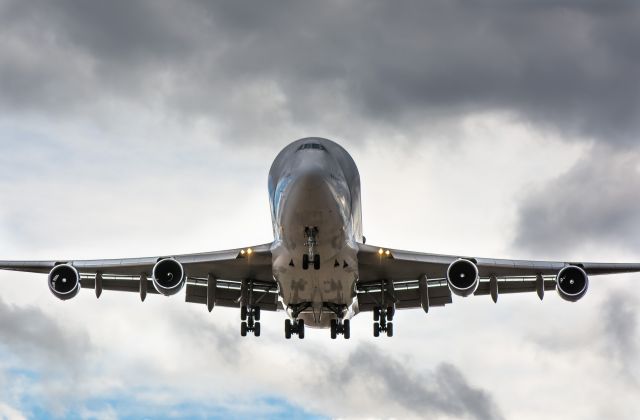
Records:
x=312, y=178
x=313, y=173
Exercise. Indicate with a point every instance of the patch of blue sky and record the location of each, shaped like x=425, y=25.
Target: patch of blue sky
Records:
x=128, y=407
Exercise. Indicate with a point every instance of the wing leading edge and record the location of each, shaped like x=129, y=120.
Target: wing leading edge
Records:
x=218, y=277
x=412, y=279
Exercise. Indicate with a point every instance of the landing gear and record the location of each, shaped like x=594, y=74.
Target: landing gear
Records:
x=306, y=262
x=250, y=316
x=339, y=326
x=311, y=242
x=295, y=327
x=382, y=320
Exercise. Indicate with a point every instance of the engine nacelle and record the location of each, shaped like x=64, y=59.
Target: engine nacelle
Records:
x=572, y=283
x=463, y=277
x=168, y=276
x=64, y=281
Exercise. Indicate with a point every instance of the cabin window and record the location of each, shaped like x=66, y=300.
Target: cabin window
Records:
x=315, y=146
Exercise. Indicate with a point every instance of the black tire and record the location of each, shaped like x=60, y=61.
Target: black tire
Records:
x=256, y=329
x=256, y=313
x=391, y=311
x=334, y=329
x=346, y=329
x=300, y=329
x=316, y=262
x=305, y=262
x=243, y=329
x=287, y=329
x=376, y=314
x=243, y=313
x=389, y=329
x=376, y=329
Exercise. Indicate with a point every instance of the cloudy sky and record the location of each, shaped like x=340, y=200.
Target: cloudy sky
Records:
x=503, y=128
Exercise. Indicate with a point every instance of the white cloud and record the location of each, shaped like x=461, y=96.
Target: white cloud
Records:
x=9, y=413
x=148, y=158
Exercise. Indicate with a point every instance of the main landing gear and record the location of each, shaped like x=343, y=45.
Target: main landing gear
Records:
x=340, y=326
x=382, y=320
x=294, y=327
x=250, y=316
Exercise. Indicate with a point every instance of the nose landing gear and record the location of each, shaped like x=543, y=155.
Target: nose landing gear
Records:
x=311, y=242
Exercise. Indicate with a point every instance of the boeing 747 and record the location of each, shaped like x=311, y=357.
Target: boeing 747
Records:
x=318, y=269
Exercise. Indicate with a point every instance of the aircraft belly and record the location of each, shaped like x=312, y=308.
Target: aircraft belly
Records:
x=315, y=204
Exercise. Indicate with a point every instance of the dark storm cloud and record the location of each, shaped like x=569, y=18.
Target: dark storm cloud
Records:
x=445, y=391
x=594, y=203
x=568, y=65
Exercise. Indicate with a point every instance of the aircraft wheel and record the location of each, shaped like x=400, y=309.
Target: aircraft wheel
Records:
x=334, y=329
x=243, y=329
x=391, y=311
x=287, y=329
x=256, y=329
x=376, y=329
x=305, y=262
x=376, y=314
x=346, y=329
x=243, y=313
x=256, y=313
x=316, y=262
x=389, y=329
x=300, y=329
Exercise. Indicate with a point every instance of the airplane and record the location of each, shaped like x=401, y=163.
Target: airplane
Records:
x=318, y=269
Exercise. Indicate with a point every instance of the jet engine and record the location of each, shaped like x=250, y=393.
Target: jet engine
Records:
x=64, y=281
x=572, y=283
x=168, y=276
x=462, y=277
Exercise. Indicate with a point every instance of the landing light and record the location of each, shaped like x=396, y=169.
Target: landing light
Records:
x=387, y=252
x=249, y=251
x=380, y=251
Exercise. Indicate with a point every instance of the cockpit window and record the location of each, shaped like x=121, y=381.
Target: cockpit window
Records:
x=315, y=146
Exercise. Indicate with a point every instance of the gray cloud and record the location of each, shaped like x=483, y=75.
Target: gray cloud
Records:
x=442, y=392
x=39, y=340
x=594, y=202
x=570, y=66
x=620, y=328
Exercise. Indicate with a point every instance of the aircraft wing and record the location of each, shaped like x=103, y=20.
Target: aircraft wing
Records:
x=413, y=279
x=224, y=271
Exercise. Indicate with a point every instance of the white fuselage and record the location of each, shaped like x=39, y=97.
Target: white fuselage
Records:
x=315, y=201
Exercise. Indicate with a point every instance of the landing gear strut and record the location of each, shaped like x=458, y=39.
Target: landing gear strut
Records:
x=249, y=310
x=311, y=242
x=382, y=320
x=250, y=316
x=295, y=325
x=339, y=325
